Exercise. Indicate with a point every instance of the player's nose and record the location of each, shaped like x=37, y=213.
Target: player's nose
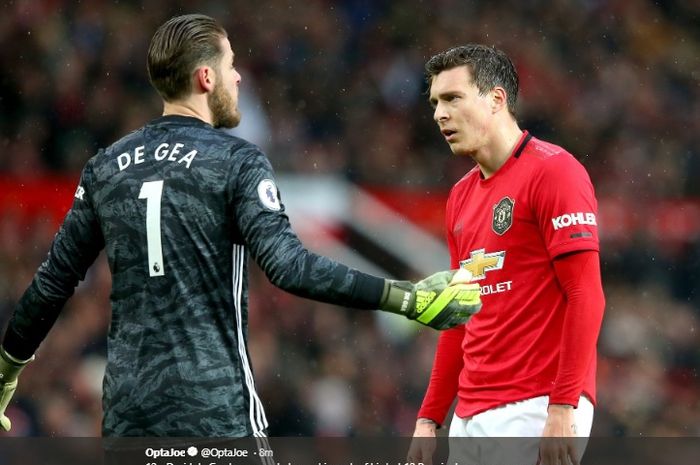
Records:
x=440, y=114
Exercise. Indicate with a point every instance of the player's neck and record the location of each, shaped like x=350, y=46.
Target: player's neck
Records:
x=501, y=145
x=188, y=107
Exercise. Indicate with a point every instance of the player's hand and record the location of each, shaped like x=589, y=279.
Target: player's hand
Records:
x=558, y=438
x=442, y=301
x=10, y=368
x=423, y=444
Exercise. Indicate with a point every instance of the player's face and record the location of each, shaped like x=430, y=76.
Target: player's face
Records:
x=462, y=114
x=223, y=100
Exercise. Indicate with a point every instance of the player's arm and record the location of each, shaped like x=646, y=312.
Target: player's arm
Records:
x=442, y=390
x=448, y=360
x=266, y=230
x=444, y=377
x=578, y=274
x=73, y=250
x=566, y=208
x=447, y=365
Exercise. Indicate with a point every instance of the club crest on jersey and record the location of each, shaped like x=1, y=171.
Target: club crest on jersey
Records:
x=267, y=191
x=503, y=215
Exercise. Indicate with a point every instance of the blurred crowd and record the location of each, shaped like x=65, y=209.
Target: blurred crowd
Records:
x=336, y=87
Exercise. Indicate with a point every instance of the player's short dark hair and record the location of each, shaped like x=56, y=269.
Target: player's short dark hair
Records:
x=177, y=48
x=489, y=67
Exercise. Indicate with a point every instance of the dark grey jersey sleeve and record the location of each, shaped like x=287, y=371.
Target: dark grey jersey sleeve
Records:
x=74, y=249
x=266, y=231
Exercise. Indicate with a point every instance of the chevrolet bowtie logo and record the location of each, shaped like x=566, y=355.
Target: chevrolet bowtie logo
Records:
x=480, y=262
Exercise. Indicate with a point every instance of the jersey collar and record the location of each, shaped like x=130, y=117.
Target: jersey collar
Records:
x=521, y=145
x=515, y=155
x=179, y=119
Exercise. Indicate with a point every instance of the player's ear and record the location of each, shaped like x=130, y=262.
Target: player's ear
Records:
x=499, y=99
x=204, y=79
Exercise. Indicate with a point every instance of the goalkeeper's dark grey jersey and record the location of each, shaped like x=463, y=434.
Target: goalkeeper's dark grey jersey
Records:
x=179, y=206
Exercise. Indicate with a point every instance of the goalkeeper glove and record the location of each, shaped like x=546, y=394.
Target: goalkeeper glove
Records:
x=10, y=368
x=441, y=301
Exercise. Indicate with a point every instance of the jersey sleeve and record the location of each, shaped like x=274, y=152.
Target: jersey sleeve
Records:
x=565, y=206
x=265, y=229
x=579, y=277
x=444, y=377
x=449, y=230
x=448, y=361
x=74, y=249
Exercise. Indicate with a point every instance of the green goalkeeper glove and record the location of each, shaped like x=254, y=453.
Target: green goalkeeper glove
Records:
x=10, y=368
x=441, y=301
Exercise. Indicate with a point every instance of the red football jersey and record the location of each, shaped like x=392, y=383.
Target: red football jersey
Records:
x=507, y=230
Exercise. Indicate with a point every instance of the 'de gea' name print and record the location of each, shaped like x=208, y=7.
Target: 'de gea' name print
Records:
x=164, y=152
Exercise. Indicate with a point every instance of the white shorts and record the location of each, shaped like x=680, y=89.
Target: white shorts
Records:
x=524, y=420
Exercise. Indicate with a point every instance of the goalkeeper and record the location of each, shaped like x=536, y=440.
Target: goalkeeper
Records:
x=179, y=206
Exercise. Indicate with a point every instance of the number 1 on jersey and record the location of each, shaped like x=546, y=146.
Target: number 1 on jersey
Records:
x=152, y=191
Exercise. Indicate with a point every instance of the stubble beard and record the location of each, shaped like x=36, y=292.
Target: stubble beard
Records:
x=224, y=111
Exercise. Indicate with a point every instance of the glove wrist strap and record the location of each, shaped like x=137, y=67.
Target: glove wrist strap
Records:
x=397, y=297
x=10, y=367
